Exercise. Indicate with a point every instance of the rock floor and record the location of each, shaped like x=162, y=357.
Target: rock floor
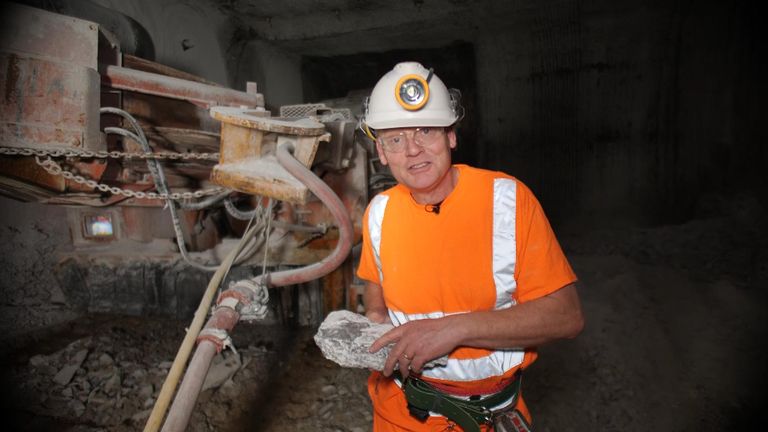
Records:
x=104, y=373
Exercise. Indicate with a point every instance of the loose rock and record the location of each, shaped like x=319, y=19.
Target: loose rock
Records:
x=344, y=337
x=222, y=369
x=64, y=376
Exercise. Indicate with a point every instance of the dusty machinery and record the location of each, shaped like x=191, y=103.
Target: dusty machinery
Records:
x=154, y=164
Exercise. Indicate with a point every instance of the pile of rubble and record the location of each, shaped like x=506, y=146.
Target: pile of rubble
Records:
x=314, y=394
x=110, y=380
x=90, y=381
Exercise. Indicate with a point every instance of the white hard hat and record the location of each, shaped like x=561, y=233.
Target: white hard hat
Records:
x=411, y=96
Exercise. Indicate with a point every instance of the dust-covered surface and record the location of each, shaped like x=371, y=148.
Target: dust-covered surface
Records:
x=344, y=338
x=675, y=337
x=675, y=340
x=31, y=236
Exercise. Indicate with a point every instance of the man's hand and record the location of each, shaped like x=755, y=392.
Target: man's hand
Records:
x=418, y=342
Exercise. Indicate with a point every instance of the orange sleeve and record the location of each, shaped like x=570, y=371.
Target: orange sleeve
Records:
x=541, y=267
x=367, y=269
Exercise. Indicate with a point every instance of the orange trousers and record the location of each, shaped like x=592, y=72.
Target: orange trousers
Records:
x=390, y=410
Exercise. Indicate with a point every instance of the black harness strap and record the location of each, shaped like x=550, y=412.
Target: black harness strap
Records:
x=422, y=398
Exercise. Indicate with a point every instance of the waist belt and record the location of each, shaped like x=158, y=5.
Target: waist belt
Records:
x=469, y=414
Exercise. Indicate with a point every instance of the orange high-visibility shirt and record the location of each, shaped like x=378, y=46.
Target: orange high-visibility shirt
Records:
x=489, y=247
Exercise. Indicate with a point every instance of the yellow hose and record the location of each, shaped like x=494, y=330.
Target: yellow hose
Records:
x=172, y=380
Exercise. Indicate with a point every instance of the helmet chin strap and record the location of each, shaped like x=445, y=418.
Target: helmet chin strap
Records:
x=367, y=131
x=362, y=125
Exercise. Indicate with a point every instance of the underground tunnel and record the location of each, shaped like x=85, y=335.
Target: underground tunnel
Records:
x=639, y=126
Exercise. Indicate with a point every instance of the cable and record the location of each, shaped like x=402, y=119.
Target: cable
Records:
x=159, y=178
x=208, y=202
x=240, y=214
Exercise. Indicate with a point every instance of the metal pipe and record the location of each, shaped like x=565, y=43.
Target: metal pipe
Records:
x=225, y=317
x=161, y=85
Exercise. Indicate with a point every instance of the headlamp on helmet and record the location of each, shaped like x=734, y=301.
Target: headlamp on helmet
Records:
x=412, y=92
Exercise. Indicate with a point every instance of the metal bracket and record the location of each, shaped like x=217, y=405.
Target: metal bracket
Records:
x=249, y=139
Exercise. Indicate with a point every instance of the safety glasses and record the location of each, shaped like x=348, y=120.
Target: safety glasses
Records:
x=421, y=136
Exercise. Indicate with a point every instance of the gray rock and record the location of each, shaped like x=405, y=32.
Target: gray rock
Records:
x=145, y=391
x=141, y=416
x=38, y=360
x=222, y=369
x=64, y=376
x=106, y=360
x=344, y=337
x=47, y=370
x=56, y=406
x=79, y=357
x=112, y=384
x=77, y=407
x=229, y=389
x=83, y=388
x=138, y=375
x=325, y=409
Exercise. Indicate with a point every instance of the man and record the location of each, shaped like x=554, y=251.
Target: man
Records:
x=463, y=262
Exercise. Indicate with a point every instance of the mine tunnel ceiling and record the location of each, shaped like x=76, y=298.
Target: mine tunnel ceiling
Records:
x=338, y=27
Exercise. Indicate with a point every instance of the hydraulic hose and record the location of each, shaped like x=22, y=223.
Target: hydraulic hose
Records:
x=337, y=209
x=166, y=392
x=225, y=316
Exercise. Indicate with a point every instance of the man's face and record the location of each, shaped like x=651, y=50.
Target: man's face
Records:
x=419, y=158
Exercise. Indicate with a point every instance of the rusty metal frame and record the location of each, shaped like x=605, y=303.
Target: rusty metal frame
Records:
x=207, y=95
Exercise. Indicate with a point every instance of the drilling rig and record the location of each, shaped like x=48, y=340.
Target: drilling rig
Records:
x=174, y=185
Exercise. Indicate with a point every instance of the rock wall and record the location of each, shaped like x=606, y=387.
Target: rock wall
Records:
x=618, y=112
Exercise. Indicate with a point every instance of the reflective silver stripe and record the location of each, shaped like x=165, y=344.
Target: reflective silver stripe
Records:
x=375, y=219
x=504, y=241
x=399, y=318
x=494, y=364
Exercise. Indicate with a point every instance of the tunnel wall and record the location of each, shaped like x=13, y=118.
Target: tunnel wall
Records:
x=624, y=115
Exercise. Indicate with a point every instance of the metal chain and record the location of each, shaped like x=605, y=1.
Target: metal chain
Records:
x=54, y=168
x=22, y=151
